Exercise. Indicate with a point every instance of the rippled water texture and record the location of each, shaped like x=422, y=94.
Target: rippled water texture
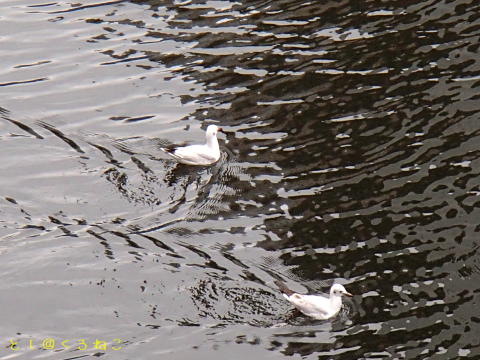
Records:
x=351, y=155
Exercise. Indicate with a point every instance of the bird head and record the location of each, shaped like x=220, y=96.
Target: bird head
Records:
x=339, y=290
x=212, y=130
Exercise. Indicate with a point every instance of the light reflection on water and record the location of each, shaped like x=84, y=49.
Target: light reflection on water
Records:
x=351, y=156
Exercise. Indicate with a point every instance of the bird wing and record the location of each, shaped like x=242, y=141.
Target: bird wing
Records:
x=312, y=305
x=193, y=154
x=169, y=147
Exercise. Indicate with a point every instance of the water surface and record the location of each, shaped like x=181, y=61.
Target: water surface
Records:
x=351, y=155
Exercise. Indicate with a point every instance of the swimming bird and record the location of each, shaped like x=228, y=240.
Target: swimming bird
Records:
x=205, y=154
x=319, y=307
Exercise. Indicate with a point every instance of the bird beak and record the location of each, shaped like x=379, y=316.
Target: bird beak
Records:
x=220, y=130
x=347, y=294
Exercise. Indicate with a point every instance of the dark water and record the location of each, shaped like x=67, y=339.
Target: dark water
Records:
x=352, y=155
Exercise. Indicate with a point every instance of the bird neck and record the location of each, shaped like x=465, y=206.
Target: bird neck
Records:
x=212, y=142
x=336, y=301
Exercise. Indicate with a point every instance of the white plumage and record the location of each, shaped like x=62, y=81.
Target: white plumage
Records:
x=320, y=307
x=205, y=154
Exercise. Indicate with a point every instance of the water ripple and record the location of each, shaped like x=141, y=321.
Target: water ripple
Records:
x=351, y=156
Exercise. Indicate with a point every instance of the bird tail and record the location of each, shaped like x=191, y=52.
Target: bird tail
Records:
x=283, y=288
x=169, y=149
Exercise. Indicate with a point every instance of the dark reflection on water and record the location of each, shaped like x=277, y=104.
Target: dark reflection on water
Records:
x=351, y=156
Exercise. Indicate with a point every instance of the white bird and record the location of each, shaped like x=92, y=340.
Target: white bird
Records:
x=319, y=307
x=205, y=154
